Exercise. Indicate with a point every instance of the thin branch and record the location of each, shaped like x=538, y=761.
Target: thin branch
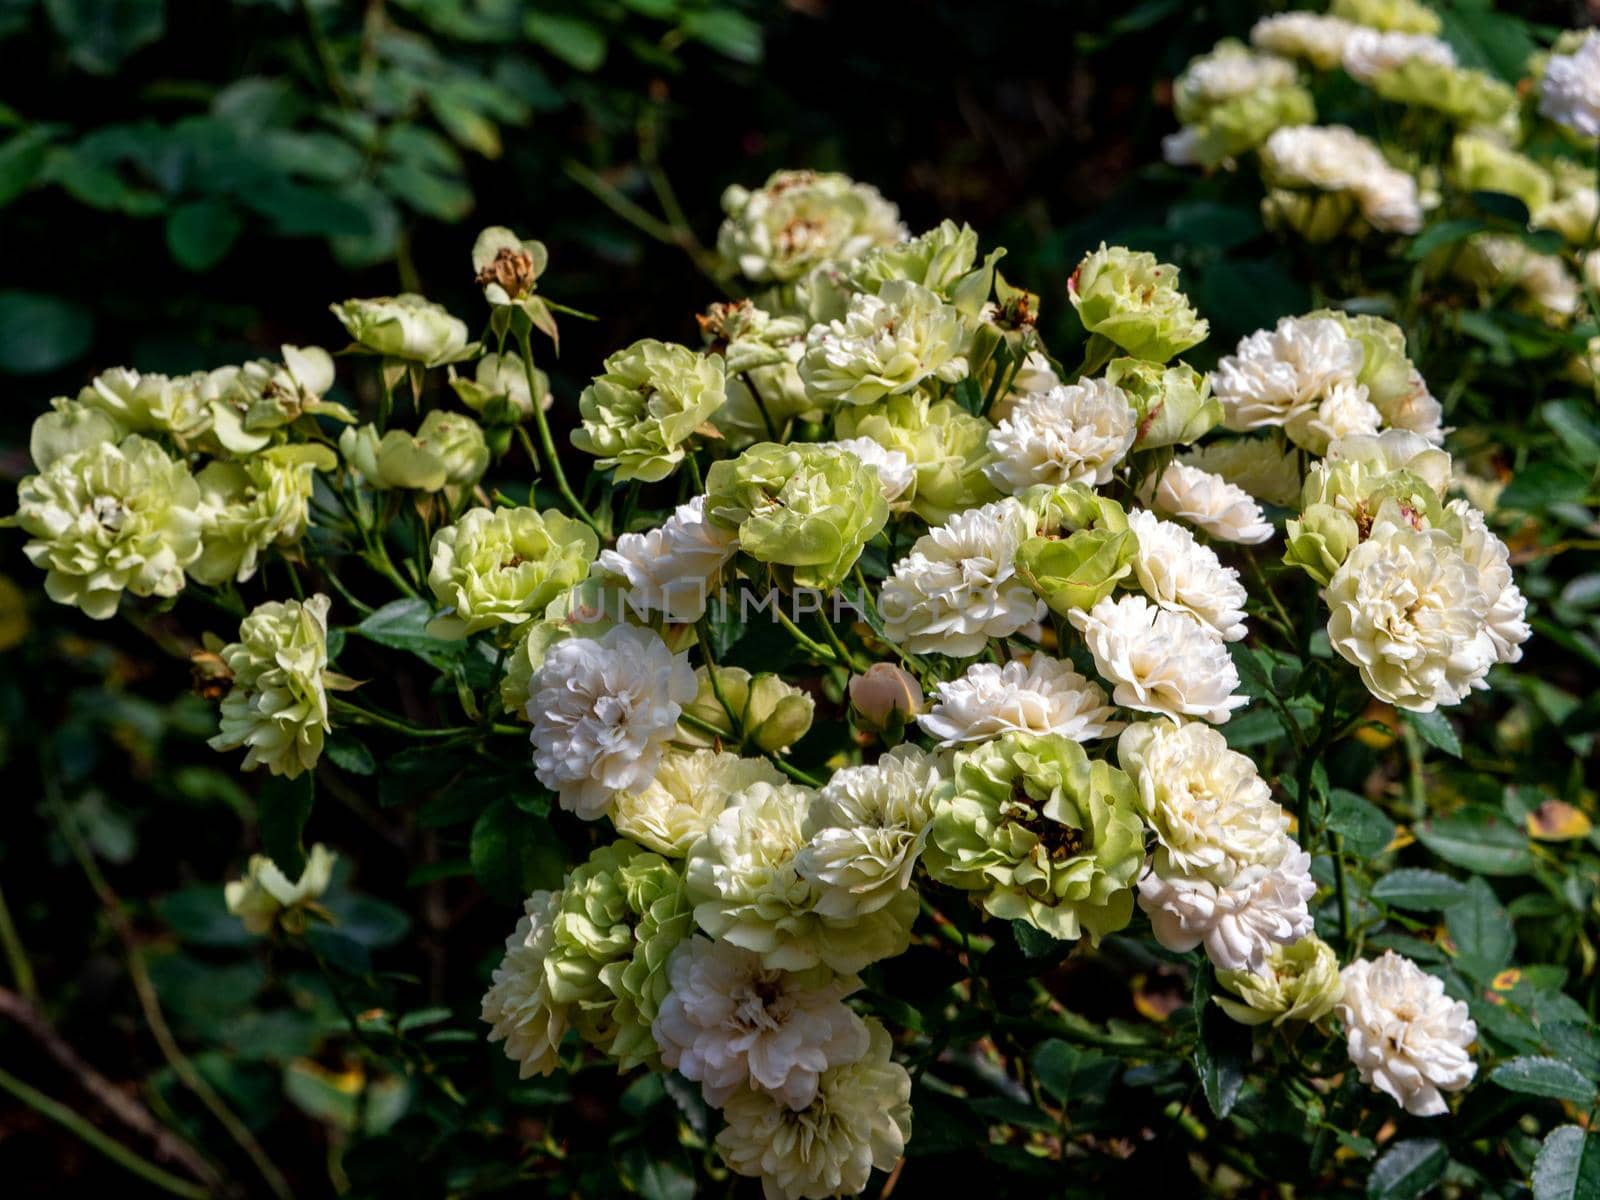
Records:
x=169, y=1147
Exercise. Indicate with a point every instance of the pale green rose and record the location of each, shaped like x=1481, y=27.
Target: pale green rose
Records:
x=936, y=260
x=689, y=790
x=148, y=403
x=277, y=707
x=947, y=445
x=1238, y=125
x=1044, y=833
x=1078, y=571
x=1133, y=301
x=498, y=390
x=651, y=400
x=773, y=714
x=1468, y=96
x=266, y=899
x=504, y=566
x=1540, y=284
x=800, y=220
x=1299, y=983
x=621, y=914
x=1572, y=210
x=1395, y=16
x=448, y=450
x=1071, y=507
x=406, y=326
x=1483, y=164
x=110, y=518
x=249, y=506
x=744, y=879
x=886, y=345
x=1229, y=70
x=252, y=402
x=68, y=428
x=808, y=508
x=1314, y=216
x=1174, y=403
x=943, y=260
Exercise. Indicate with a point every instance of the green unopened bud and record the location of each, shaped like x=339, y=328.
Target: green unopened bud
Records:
x=1133, y=300
x=1320, y=540
x=1298, y=983
x=1313, y=215
x=1174, y=403
x=448, y=450
x=771, y=714
x=499, y=391
x=1076, y=572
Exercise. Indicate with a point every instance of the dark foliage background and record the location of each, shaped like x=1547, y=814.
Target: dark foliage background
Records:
x=189, y=183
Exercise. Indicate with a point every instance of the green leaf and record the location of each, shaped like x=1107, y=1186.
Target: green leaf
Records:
x=1478, y=839
x=283, y=806
x=1482, y=932
x=1036, y=943
x=1435, y=729
x=1070, y=1073
x=40, y=333
x=1568, y=1166
x=199, y=914
x=1445, y=233
x=1548, y=1077
x=1364, y=827
x=367, y=921
x=1221, y=1055
x=20, y=159
x=1409, y=1169
x=575, y=42
x=726, y=31
x=99, y=34
x=1413, y=887
x=402, y=625
x=1576, y=427
x=513, y=853
x=200, y=234
x=349, y=753
x=1541, y=484
x=1207, y=223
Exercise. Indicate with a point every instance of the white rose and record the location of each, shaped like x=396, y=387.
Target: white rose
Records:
x=518, y=1005
x=1315, y=37
x=1405, y=1036
x=1073, y=433
x=1570, y=91
x=1238, y=925
x=1279, y=374
x=1344, y=411
x=1507, y=624
x=1370, y=52
x=1042, y=696
x=1159, y=661
x=958, y=587
x=1407, y=609
x=1224, y=510
x=602, y=711
x=672, y=570
x=1212, y=813
x=672, y=811
x=732, y=1025
x=887, y=344
x=870, y=824
x=1181, y=575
